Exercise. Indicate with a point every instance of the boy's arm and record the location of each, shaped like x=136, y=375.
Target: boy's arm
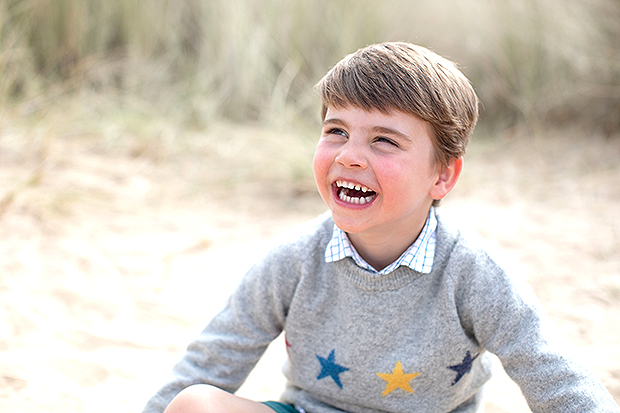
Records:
x=229, y=347
x=506, y=320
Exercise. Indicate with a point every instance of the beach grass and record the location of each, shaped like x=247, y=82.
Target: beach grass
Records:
x=533, y=62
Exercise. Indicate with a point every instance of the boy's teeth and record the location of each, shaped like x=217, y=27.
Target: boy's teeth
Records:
x=351, y=185
x=353, y=200
x=344, y=193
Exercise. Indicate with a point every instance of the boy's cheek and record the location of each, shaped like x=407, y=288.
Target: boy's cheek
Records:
x=320, y=165
x=319, y=174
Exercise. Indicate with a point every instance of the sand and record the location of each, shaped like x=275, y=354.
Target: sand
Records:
x=111, y=260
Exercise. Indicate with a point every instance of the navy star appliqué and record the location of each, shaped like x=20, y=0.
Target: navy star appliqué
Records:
x=464, y=367
x=329, y=368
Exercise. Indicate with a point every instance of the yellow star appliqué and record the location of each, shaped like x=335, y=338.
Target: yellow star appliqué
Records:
x=397, y=379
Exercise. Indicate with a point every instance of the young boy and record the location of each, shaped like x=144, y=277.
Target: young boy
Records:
x=383, y=306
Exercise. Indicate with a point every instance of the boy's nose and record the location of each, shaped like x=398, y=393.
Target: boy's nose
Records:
x=351, y=157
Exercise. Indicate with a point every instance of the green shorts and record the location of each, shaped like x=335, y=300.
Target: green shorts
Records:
x=281, y=407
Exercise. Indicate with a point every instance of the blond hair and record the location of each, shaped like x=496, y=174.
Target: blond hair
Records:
x=413, y=80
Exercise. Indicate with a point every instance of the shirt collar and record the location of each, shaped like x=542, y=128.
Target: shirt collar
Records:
x=419, y=256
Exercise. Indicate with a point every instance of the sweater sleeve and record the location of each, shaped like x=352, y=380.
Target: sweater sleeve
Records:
x=506, y=319
x=232, y=343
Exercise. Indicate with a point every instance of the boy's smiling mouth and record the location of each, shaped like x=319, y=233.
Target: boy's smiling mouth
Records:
x=354, y=193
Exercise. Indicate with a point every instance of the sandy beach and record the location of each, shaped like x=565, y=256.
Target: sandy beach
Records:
x=111, y=260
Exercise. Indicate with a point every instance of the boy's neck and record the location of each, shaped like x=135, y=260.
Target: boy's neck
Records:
x=381, y=249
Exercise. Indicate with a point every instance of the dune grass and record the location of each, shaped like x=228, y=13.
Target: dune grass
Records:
x=146, y=75
x=150, y=75
x=532, y=61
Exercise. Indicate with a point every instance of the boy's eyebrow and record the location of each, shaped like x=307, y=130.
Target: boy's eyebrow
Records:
x=390, y=131
x=334, y=121
x=375, y=129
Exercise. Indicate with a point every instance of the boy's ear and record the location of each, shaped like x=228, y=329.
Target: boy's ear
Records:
x=447, y=179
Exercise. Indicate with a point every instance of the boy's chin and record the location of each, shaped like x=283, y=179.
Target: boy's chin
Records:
x=350, y=226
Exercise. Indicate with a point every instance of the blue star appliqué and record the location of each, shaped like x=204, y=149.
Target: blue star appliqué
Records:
x=464, y=367
x=329, y=368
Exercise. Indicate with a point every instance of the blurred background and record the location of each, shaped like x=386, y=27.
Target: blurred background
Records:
x=141, y=143
x=537, y=63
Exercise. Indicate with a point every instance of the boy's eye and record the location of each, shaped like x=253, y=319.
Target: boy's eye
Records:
x=336, y=131
x=386, y=140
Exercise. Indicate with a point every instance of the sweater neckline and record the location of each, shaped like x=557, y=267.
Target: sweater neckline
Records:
x=401, y=276
x=369, y=281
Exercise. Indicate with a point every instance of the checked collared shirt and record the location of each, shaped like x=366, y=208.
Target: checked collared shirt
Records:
x=419, y=256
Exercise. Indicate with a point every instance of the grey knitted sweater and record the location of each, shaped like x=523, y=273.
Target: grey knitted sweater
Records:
x=401, y=342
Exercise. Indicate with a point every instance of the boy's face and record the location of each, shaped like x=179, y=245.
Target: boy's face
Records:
x=388, y=160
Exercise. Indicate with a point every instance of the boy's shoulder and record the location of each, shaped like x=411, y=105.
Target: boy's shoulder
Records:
x=464, y=249
x=453, y=238
x=470, y=260
x=295, y=252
